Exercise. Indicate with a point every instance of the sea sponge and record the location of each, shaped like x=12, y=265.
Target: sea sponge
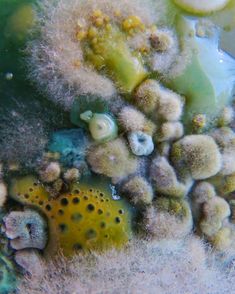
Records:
x=3, y=194
x=50, y=173
x=26, y=229
x=112, y=159
x=132, y=120
x=138, y=190
x=222, y=240
x=169, y=131
x=8, y=278
x=146, y=96
x=203, y=191
x=164, y=178
x=71, y=175
x=197, y=154
x=140, y=143
x=87, y=217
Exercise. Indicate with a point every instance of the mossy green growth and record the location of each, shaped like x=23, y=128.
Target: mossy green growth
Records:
x=7, y=275
x=210, y=74
x=106, y=49
x=89, y=217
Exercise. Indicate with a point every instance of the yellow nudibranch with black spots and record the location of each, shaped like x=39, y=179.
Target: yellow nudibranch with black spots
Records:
x=86, y=218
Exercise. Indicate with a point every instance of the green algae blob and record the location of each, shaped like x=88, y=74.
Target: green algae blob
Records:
x=86, y=218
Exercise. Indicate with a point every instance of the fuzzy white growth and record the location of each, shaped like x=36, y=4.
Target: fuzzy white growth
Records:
x=30, y=261
x=170, y=131
x=138, y=190
x=161, y=225
x=133, y=120
x=57, y=58
x=3, y=194
x=175, y=266
x=162, y=60
x=50, y=173
x=164, y=178
x=226, y=116
x=225, y=138
x=169, y=105
x=72, y=175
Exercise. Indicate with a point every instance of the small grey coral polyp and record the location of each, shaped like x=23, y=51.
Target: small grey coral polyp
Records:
x=26, y=229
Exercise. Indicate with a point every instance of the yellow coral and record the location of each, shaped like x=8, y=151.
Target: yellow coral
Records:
x=86, y=218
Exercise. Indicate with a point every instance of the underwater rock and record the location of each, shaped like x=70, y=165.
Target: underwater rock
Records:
x=86, y=218
x=140, y=143
x=198, y=155
x=71, y=145
x=7, y=275
x=25, y=229
x=112, y=159
x=102, y=126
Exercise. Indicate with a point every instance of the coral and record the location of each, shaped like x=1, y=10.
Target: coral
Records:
x=112, y=159
x=30, y=261
x=132, y=120
x=7, y=275
x=102, y=126
x=146, y=96
x=87, y=217
x=181, y=266
x=25, y=229
x=50, y=173
x=197, y=154
x=71, y=145
x=3, y=193
x=138, y=191
x=169, y=131
x=83, y=38
x=140, y=143
x=164, y=178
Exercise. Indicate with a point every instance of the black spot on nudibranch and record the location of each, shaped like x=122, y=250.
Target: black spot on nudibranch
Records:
x=117, y=220
x=63, y=228
x=102, y=225
x=77, y=246
x=100, y=211
x=60, y=212
x=64, y=201
x=48, y=207
x=90, y=234
x=76, y=200
x=76, y=217
x=90, y=207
